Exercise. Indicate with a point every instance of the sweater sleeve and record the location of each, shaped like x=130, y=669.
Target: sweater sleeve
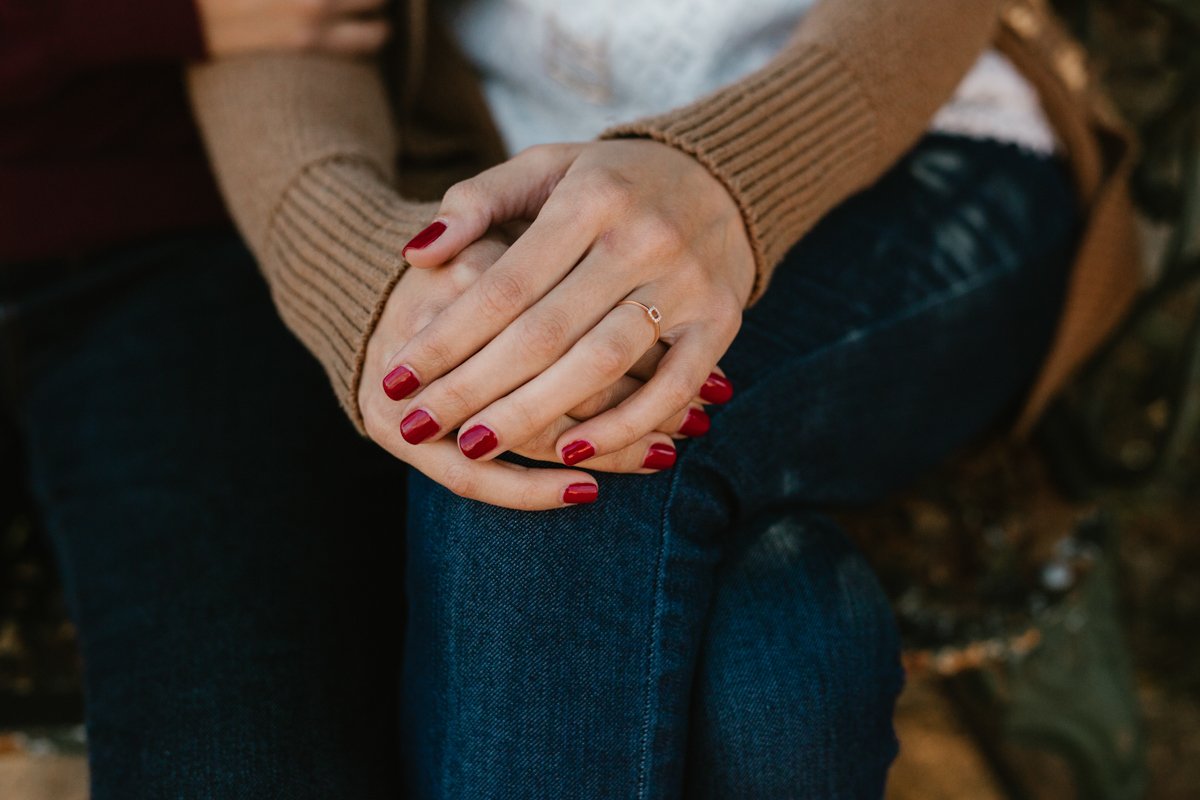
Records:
x=43, y=42
x=303, y=149
x=851, y=92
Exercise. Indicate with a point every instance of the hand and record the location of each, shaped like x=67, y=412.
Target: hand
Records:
x=417, y=299
x=333, y=26
x=542, y=329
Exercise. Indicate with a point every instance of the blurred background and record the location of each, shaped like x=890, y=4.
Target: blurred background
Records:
x=1048, y=593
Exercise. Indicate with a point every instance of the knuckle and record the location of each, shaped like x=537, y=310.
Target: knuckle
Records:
x=542, y=442
x=463, y=270
x=433, y=356
x=609, y=357
x=677, y=390
x=528, y=498
x=501, y=295
x=463, y=193
x=537, y=153
x=544, y=334
x=608, y=192
x=454, y=401
x=623, y=432
x=461, y=480
x=663, y=238
x=523, y=418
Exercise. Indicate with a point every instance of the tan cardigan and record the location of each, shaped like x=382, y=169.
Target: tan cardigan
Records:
x=324, y=168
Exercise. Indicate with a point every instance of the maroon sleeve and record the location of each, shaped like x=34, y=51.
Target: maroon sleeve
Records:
x=45, y=42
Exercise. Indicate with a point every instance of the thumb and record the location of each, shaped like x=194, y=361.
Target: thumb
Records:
x=516, y=189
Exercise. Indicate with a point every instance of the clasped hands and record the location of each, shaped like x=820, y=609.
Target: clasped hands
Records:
x=512, y=334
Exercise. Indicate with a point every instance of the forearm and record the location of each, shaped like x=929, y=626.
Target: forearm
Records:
x=852, y=91
x=303, y=148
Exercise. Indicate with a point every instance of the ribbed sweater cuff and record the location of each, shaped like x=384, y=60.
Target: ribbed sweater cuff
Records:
x=332, y=259
x=789, y=142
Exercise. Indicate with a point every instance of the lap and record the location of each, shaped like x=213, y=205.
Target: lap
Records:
x=909, y=319
x=229, y=545
x=912, y=317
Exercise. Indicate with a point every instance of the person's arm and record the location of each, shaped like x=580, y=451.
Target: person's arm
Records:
x=303, y=148
x=850, y=93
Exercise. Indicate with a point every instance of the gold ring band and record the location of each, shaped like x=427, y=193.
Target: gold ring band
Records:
x=651, y=311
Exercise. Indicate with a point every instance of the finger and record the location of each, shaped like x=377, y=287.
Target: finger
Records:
x=519, y=353
x=680, y=425
x=716, y=389
x=462, y=271
x=353, y=36
x=531, y=267
x=651, y=453
x=646, y=366
x=608, y=397
x=680, y=375
x=688, y=422
x=597, y=360
x=496, y=482
x=516, y=189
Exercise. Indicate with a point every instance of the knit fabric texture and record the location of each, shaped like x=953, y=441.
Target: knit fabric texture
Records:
x=305, y=150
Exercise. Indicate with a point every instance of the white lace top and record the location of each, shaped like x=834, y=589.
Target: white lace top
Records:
x=564, y=70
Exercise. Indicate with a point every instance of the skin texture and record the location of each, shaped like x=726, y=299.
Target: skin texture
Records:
x=419, y=298
x=541, y=331
x=331, y=26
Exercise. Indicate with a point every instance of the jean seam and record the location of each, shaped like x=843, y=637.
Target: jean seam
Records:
x=655, y=637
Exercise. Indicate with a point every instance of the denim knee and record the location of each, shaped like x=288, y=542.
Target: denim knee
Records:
x=799, y=670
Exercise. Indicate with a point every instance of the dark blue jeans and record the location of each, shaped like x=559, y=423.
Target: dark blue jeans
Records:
x=233, y=553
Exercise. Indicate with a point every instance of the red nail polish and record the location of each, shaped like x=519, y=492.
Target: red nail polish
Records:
x=476, y=441
x=581, y=493
x=425, y=237
x=659, y=456
x=418, y=426
x=716, y=389
x=400, y=383
x=695, y=423
x=577, y=451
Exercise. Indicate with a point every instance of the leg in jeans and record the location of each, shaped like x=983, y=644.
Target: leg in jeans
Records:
x=230, y=547
x=555, y=654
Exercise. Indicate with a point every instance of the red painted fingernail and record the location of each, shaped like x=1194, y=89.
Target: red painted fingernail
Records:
x=476, y=441
x=400, y=383
x=578, y=451
x=418, y=426
x=581, y=493
x=695, y=423
x=425, y=237
x=717, y=389
x=659, y=456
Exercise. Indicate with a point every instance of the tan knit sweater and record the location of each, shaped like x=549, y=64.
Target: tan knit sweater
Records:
x=315, y=167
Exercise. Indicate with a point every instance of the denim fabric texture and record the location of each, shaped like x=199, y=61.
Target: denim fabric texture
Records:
x=237, y=562
x=554, y=654
x=230, y=547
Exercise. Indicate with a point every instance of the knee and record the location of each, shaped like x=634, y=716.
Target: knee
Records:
x=799, y=670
